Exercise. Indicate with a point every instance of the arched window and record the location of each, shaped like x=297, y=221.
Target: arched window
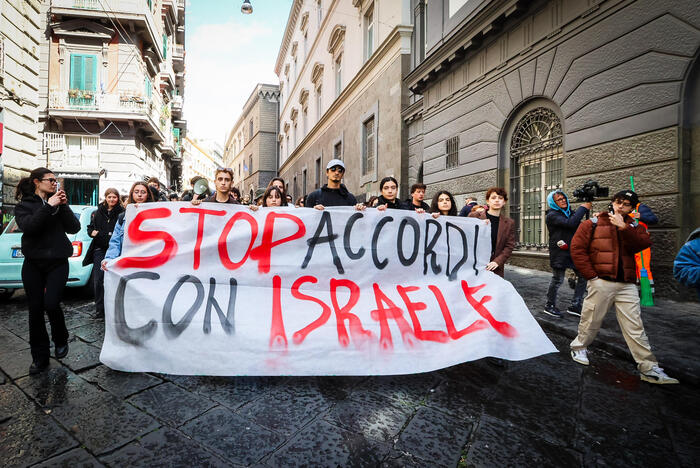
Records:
x=536, y=157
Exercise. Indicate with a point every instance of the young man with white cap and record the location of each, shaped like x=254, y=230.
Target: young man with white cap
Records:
x=334, y=193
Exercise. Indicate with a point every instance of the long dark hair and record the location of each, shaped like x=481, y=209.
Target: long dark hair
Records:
x=26, y=187
x=434, y=204
x=149, y=197
x=271, y=189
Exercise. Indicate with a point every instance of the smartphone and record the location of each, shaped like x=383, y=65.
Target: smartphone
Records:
x=58, y=187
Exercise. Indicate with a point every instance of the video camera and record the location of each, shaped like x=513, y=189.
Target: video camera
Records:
x=590, y=190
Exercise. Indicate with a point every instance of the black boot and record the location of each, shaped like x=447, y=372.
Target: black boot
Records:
x=38, y=366
x=61, y=351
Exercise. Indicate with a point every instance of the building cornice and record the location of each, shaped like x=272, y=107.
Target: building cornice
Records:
x=288, y=32
x=470, y=36
x=385, y=47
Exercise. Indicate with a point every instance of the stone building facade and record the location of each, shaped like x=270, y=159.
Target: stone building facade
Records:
x=111, y=93
x=19, y=96
x=534, y=96
x=199, y=158
x=251, y=146
x=341, y=66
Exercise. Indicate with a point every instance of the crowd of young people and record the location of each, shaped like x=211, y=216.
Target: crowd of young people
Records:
x=600, y=250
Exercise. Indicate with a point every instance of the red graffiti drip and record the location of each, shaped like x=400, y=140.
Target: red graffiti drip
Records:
x=200, y=228
x=382, y=315
x=137, y=236
x=301, y=335
x=451, y=329
x=278, y=338
x=413, y=307
x=359, y=334
x=504, y=328
x=223, y=248
x=263, y=252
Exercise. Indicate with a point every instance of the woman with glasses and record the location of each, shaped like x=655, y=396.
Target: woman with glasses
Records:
x=139, y=193
x=44, y=217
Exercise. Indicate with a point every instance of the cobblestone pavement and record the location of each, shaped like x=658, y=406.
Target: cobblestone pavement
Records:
x=546, y=411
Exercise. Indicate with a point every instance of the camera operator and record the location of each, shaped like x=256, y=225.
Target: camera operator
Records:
x=603, y=251
x=44, y=217
x=562, y=224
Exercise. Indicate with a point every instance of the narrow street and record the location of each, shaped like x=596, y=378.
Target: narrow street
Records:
x=546, y=411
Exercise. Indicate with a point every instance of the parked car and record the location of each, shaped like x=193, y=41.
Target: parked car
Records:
x=11, y=257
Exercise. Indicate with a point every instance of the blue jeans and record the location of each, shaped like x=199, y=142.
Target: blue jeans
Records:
x=557, y=279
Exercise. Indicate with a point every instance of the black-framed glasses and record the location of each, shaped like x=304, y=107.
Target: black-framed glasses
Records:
x=50, y=180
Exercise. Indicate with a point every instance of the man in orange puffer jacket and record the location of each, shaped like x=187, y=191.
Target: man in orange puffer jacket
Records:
x=603, y=250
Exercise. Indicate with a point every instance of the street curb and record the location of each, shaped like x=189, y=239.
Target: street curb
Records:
x=619, y=351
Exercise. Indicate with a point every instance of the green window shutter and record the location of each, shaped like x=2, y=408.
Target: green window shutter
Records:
x=90, y=72
x=147, y=85
x=83, y=72
x=165, y=46
x=76, y=71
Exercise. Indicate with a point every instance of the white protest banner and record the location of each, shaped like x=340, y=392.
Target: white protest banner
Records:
x=219, y=289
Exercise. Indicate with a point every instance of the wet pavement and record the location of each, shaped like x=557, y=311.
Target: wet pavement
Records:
x=547, y=411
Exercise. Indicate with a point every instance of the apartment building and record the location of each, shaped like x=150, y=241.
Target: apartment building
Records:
x=251, y=148
x=111, y=93
x=341, y=66
x=19, y=96
x=199, y=159
x=534, y=96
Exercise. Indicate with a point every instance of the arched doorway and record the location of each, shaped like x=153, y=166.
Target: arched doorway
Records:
x=536, y=153
x=690, y=151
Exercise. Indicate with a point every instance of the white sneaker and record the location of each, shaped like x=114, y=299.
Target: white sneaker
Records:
x=657, y=376
x=580, y=356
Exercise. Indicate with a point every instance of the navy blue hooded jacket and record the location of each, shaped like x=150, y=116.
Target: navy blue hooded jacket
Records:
x=562, y=225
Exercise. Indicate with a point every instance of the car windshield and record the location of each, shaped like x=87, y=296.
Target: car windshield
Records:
x=12, y=226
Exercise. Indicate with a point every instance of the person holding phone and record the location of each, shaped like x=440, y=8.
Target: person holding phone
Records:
x=44, y=217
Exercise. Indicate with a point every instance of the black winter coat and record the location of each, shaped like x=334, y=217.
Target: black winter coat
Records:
x=44, y=228
x=330, y=197
x=396, y=204
x=562, y=228
x=102, y=221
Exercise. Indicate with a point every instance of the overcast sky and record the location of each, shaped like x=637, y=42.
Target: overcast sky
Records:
x=227, y=54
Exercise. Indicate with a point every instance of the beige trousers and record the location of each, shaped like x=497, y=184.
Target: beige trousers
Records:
x=601, y=294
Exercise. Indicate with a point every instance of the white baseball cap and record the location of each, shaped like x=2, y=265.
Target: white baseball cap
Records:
x=335, y=162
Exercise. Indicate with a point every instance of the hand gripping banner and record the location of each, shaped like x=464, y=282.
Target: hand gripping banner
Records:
x=222, y=290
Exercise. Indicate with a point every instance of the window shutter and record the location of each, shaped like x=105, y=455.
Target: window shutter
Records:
x=165, y=46
x=90, y=72
x=76, y=72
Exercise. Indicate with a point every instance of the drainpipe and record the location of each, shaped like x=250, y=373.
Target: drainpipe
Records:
x=277, y=141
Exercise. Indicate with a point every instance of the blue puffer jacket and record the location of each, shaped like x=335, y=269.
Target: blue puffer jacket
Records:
x=686, y=267
x=562, y=225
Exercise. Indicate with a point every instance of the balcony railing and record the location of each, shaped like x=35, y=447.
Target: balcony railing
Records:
x=81, y=156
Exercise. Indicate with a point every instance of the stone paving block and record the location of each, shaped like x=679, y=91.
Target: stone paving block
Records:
x=163, y=447
x=81, y=355
x=434, y=437
x=231, y=392
x=99, y=420
x=397, y=459
x=75, y=319
x=17, y=321
x=13, y=401
x=374, y=421
x=16, y=364
x=76, y=458
x=10, y=342
x=286, y=410
x=322, y=444
x=462, y=400
x=171, y=404
x=121, y=384
x=30, y=437
x=499, y=443
x=411, y=388
x=236, y=439
x=93, y=332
